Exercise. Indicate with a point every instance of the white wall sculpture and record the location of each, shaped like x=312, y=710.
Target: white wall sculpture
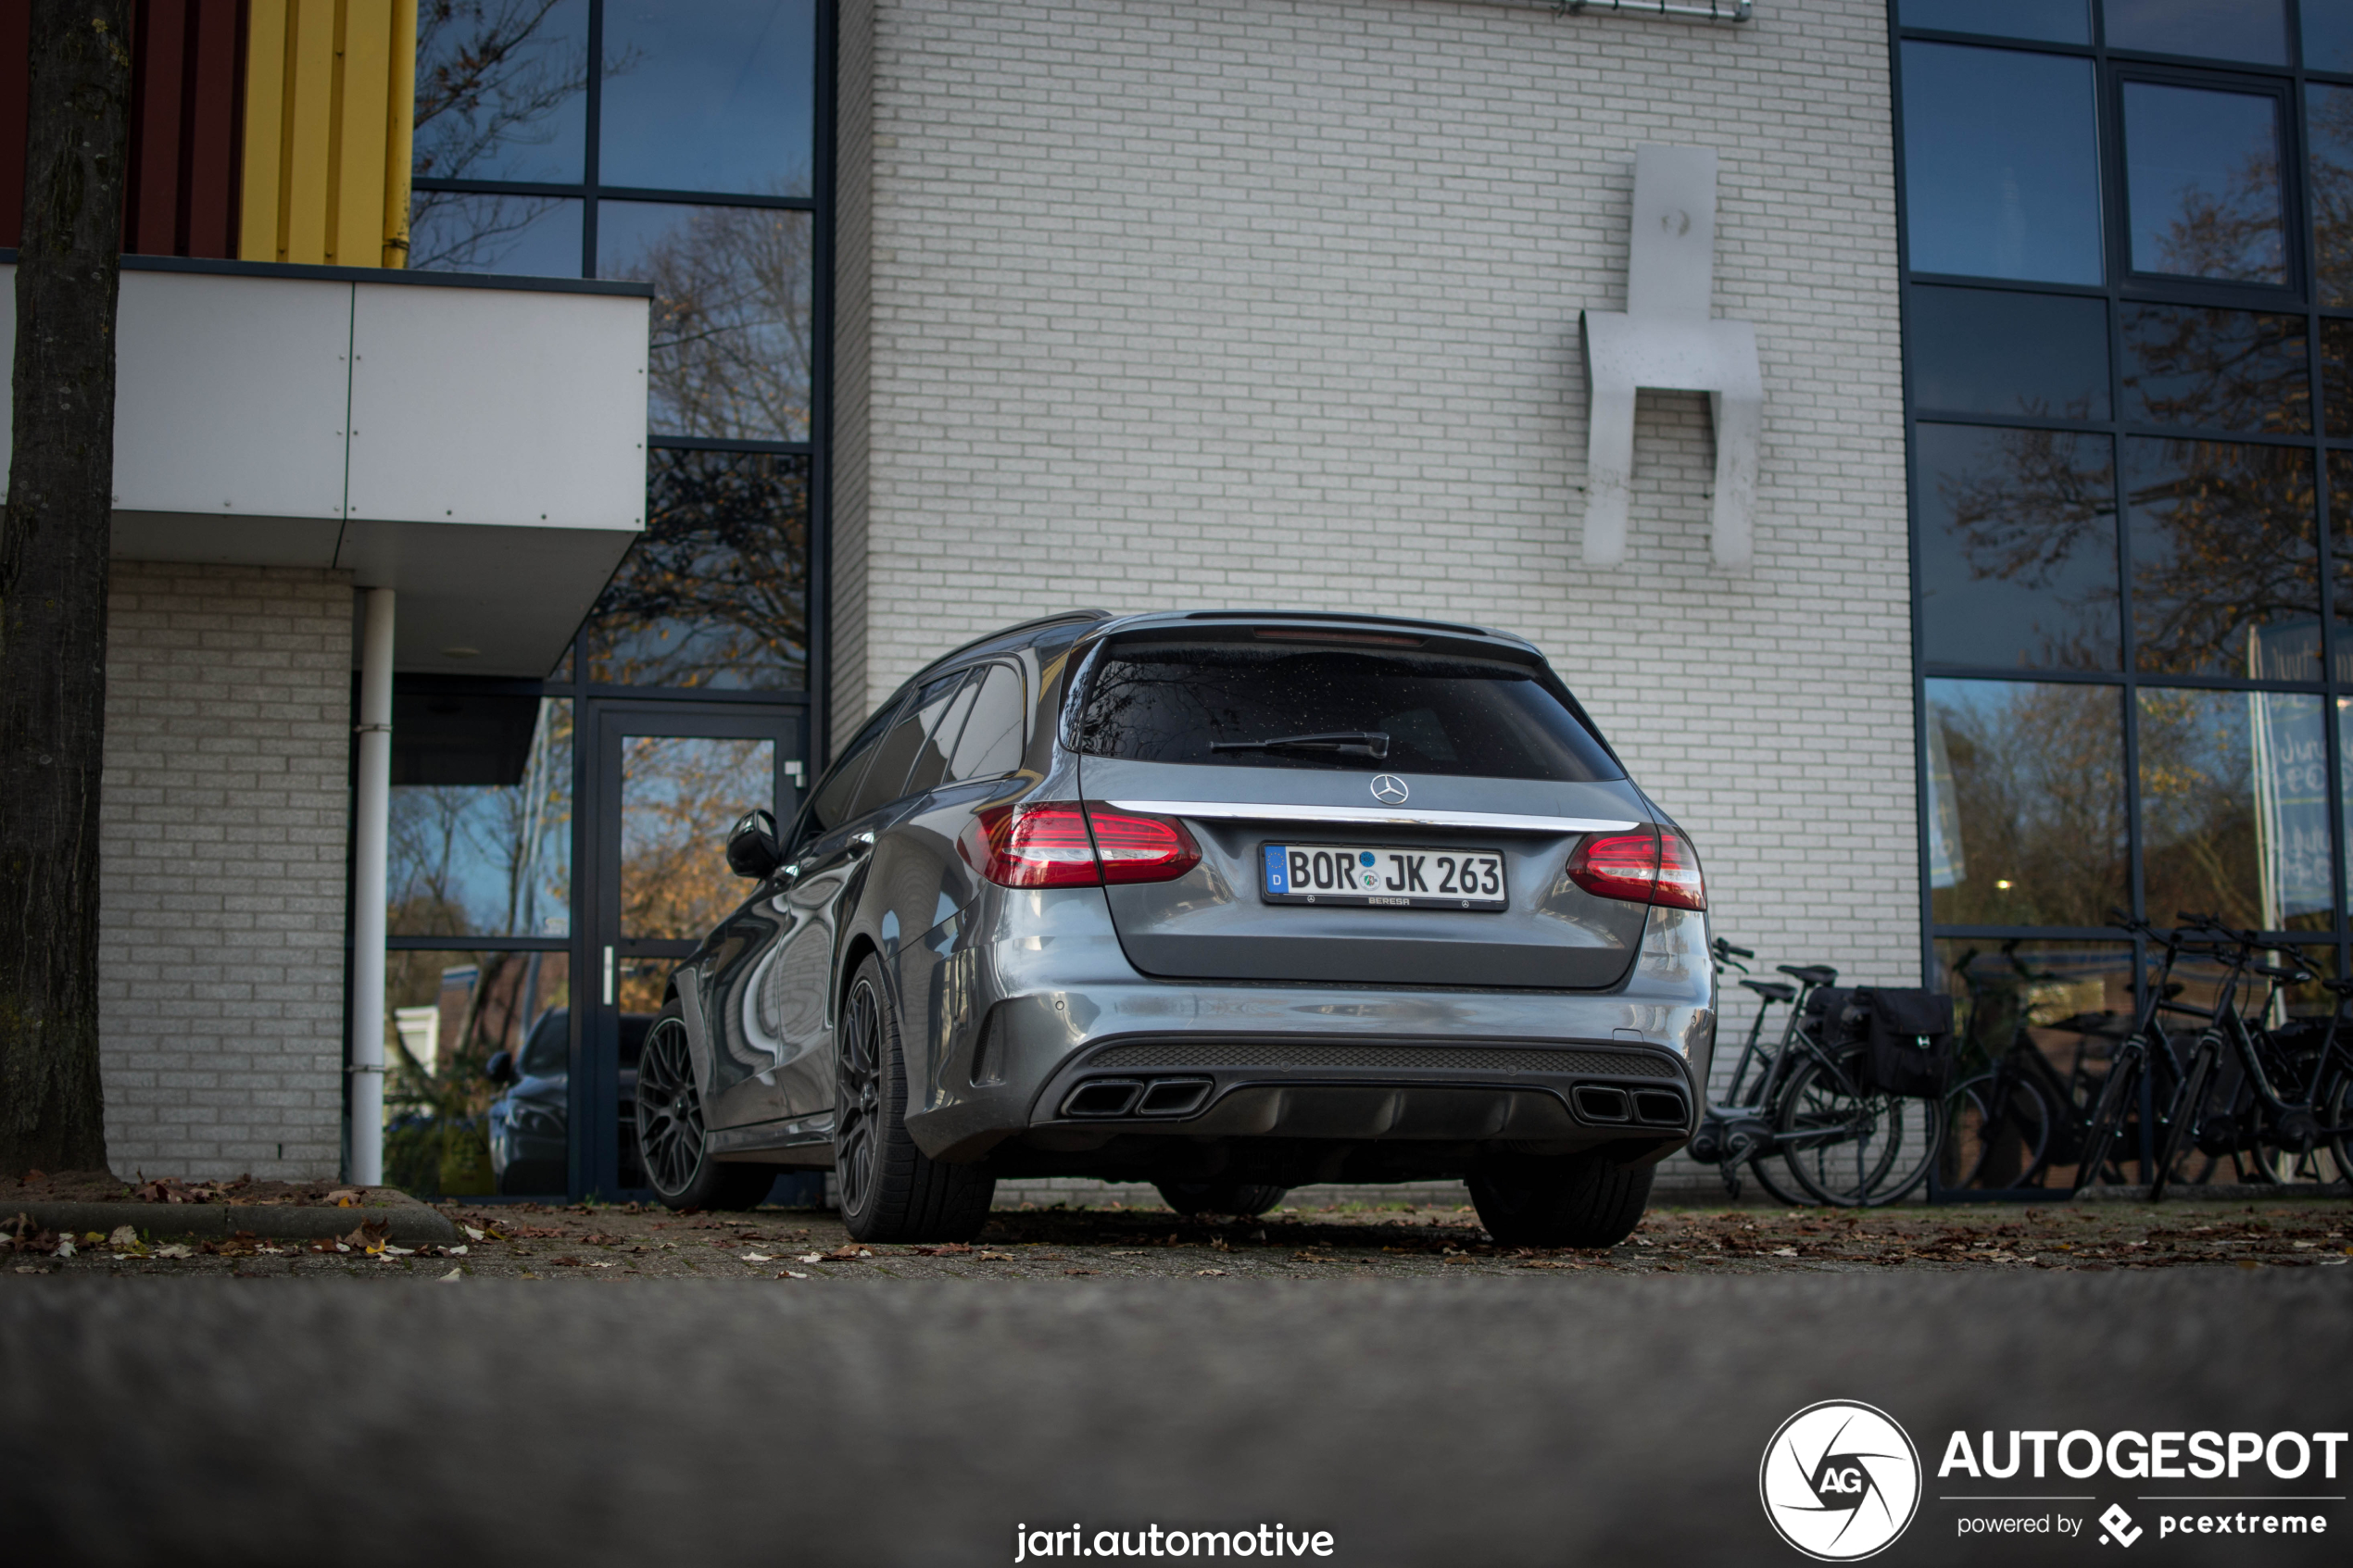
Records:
x=1665, y=340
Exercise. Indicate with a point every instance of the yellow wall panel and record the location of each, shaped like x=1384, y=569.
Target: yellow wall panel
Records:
x=359, y=232
x=329, y=93
x=265, y=107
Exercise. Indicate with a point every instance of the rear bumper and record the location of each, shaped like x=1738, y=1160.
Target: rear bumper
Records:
x=1033, y=1085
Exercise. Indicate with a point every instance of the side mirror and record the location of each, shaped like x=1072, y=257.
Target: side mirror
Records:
x=752, y=849
x=500, y=1069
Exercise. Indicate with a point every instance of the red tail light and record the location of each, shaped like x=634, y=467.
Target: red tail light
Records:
x=1133, y=847
x=1644, y=867
x=1050, y=845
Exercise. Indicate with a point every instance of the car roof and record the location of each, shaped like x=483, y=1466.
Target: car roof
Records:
x=1103, y=623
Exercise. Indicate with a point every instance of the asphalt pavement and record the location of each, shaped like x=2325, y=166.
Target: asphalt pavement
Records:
x=1539, y=1418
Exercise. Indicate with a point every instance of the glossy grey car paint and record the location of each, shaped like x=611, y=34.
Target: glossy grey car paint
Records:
x=1335, y=1043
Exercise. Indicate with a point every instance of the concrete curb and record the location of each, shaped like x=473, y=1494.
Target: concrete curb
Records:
x=410, y=1221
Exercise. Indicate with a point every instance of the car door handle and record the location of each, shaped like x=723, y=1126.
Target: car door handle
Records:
x=859, y=844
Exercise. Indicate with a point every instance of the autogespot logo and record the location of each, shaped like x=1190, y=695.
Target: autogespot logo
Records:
x=1840, y=1481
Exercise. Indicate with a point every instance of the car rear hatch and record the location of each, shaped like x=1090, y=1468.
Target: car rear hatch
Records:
x=1421, y=835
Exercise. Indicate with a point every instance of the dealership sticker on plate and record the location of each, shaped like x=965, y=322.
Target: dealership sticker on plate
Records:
x=1405, y=879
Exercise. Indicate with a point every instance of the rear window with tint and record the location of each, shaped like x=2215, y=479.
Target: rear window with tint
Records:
x=1170, y=702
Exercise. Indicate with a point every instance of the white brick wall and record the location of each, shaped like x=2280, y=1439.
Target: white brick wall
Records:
x=223, y=870
x=1238, y=302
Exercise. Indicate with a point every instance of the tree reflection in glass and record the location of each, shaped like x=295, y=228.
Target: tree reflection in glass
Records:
x=2328, y=120
x=715, y=592
x=2018, y=547
x=478, y=855
x=501, y=95
x=2203, y=183
x=2026, y=796
x=2225, y=563
x=732, y=340
x=2216, y=369
x=2235, y=818
x=678, y=798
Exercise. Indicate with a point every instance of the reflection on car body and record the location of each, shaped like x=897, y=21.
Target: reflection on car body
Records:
x=1032, y=922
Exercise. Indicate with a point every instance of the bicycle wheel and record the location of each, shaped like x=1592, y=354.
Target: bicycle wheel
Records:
x=1852, y=1149
x=2119, y=1094
x=1997, y=1132
x=2336, y=1110
x=2182, y=1114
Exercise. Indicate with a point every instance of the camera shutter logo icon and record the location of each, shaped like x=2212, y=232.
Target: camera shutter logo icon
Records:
x=1840, y=1481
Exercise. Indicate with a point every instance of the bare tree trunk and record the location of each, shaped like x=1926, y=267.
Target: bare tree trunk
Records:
x=53, y=586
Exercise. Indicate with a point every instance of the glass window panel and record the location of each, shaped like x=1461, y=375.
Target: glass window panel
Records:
x=2328, y=122
x=679, y=796
x=828, y=808
x=996, y=731
x=2336, y=377
x=907, y=744
x=2059, y=21
x=2018, y=547
x=2055, y=1010
x=944, y=723
x=712, y=95
x=2341, y=553
x=2219, y=369
x=715, y=592
x=449, y=1130
x=2221, y=29
x=2203, y=183
x=2328, y=35
x=2235, y=818
x=524, y=236
x=501, y=90
x=730, y=356
x=2026, y=803
x=2225, y=568
x=2001, y=164
x=481, y=815
x=1980, y=351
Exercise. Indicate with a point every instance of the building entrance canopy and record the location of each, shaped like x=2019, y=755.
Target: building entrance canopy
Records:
x=477, y=445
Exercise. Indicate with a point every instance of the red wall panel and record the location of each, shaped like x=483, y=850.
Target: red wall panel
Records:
x=16, y=64
x=187, y=59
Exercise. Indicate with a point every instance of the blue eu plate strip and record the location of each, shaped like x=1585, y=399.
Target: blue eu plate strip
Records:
x=1277, y=869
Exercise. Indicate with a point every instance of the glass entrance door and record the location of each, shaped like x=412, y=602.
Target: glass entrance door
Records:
x=671, y=779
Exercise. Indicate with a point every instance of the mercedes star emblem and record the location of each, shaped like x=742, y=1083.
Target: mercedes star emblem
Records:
x=1389, y=790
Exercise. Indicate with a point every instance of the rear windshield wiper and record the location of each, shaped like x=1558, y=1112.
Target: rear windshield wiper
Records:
x=1372, y=742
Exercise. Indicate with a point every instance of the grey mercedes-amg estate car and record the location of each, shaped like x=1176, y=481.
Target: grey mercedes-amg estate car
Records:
x=1227, y=901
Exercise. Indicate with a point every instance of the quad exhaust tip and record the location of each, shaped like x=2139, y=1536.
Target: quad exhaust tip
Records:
x=1651, y=1107
x=1103, y=1099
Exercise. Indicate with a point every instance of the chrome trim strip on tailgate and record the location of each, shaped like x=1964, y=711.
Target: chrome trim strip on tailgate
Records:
x=1373, y=815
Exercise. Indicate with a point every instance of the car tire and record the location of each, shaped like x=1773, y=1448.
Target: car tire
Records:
x=1572, y=1200
x=1246, y=1199
x=670, y=1129
x=891, y=1191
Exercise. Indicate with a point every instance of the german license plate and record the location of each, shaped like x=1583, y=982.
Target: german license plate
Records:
x=1405, y=879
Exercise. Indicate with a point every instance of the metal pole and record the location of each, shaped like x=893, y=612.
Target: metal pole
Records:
x=371, y=828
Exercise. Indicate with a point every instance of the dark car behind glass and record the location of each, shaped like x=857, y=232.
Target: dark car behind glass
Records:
x=530, y=1123
x=1227, y=901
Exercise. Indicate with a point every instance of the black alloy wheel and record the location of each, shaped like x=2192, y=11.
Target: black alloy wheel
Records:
x=890, y=1189
x=670, y=1129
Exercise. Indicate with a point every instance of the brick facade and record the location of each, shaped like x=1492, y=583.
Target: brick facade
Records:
x=223, y=869
x=1244, y=302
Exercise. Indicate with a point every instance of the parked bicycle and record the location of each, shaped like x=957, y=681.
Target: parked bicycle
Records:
x=2184, y=1087
x=1822, y=1115
x=2278, y=1096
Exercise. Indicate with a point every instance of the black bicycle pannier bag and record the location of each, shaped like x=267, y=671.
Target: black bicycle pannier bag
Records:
x=1907, y=1035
